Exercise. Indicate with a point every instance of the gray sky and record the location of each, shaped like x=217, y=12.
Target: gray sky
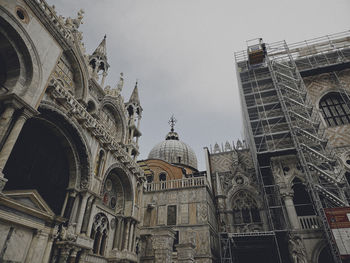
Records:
x=182, y=53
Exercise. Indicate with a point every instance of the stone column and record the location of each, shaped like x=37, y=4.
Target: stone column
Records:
x=10, y=142
x=5, y=119
x=131, y=234
x=121, y=234
x=163, y=240
x=116, y=233
x=292, y=213
x=185, y=252
x=127, y=230
x=81, y=213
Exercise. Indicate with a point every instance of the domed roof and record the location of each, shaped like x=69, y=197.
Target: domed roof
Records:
x=172, y=150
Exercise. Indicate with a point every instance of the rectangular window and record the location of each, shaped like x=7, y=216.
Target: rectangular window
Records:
x=171, y=215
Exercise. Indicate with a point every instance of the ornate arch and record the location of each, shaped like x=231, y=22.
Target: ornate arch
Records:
x=28, y=66
x=117, y=107
x=123, y=187
x=77, y=140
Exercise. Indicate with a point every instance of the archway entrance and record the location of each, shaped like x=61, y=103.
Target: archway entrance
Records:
x=44, y=158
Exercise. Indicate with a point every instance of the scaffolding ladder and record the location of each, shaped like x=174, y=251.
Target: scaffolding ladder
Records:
x=318, y=163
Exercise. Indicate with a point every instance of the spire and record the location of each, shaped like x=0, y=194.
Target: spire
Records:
x=101, y=50
x=134, y=98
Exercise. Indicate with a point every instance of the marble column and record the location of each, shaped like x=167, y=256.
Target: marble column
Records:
x=290, y=208
x=81, y=213
x=116, y=233
x=185, y=252
x=131, y=234
x=10, y=142
x=5, y=119
x=121, y=234
x=127, y=230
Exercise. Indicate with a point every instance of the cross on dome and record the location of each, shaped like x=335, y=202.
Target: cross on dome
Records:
x=172, y=122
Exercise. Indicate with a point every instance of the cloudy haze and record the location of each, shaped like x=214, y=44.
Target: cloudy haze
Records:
x=182, y=52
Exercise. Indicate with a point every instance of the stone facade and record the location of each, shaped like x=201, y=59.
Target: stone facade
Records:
x=70, y=186
x=72, y=190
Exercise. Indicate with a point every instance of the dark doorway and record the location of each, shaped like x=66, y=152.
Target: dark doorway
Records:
x=39, y=161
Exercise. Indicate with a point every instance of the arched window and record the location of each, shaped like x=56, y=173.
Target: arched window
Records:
x=162, y=180
x=99, y=164
x=245, y=209
x=162, y=177
x=335, y=110
x=99, y=233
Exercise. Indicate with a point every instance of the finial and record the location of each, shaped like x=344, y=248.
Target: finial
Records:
x=136, y=83
x=172, y=122
x=105, y=36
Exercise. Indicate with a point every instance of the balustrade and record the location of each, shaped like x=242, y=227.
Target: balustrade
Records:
x=309, y=222
x=176, y=184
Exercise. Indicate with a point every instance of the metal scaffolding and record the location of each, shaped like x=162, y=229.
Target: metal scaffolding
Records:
x=281, y=120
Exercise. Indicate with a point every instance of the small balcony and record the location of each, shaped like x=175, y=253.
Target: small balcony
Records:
x=309, y=222
x=177, y=184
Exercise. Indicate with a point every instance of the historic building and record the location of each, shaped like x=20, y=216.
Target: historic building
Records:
x=72, y=190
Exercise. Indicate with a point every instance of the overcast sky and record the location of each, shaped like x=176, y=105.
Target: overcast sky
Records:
x=182, y=53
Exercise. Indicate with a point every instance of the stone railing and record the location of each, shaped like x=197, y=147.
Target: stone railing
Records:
x=177, y=184
x=97, y=129
x=309, y=222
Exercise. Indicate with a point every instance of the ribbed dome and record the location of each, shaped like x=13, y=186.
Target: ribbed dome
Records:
x=172, y=150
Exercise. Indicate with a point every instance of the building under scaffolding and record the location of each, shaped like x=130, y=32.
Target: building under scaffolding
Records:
x=295, y=101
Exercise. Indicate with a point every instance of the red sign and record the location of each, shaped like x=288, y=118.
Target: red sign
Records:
x=339, y=221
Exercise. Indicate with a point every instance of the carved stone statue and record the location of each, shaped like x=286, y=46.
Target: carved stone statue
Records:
x=297, y=250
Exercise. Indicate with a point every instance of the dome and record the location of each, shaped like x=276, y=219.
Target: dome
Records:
x=172, y=150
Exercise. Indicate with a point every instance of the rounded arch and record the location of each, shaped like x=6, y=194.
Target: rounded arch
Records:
x=21, y=72
x=117, y=183
x=50, y=157
x=119, y=114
